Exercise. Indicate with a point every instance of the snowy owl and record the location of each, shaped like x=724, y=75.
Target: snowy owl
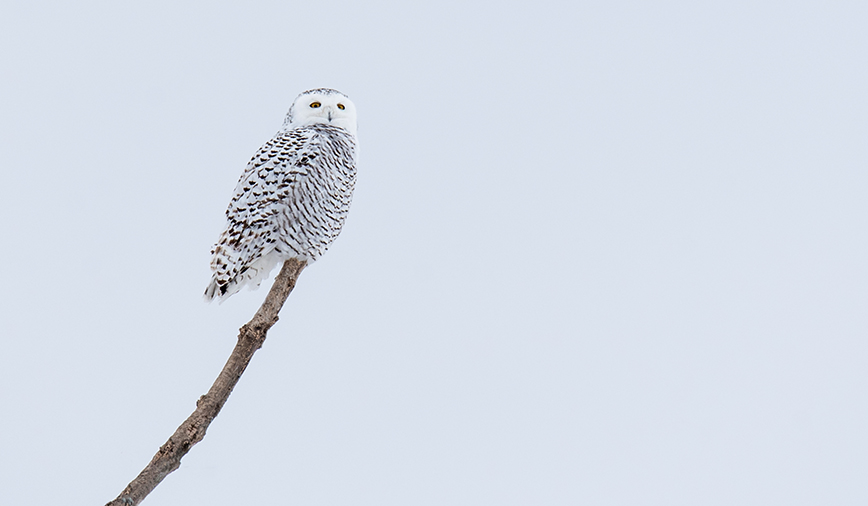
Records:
x=293, y=197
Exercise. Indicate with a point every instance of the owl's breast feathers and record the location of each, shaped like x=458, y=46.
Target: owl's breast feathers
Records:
x=291, y=201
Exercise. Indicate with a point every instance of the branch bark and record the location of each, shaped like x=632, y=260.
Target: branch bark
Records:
x=250, y=338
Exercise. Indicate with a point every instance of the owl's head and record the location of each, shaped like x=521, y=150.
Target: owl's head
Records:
x=322, y=105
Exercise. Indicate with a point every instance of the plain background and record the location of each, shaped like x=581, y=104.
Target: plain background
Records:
x=604, y=253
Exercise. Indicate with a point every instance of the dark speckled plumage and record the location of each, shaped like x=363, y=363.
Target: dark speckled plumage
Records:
x=291, y=201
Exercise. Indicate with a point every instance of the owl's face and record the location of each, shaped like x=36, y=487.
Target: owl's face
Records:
x=323, y=106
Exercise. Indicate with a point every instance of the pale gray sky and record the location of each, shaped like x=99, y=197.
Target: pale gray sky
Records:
x=603, y=253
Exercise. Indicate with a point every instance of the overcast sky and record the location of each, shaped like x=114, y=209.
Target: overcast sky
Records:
x=600, y=253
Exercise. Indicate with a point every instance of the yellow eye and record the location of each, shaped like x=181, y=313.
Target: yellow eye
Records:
x=315, y=105
x=341, y=107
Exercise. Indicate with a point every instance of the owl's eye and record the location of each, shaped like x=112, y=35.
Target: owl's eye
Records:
x=341, y=107
x=315, y=105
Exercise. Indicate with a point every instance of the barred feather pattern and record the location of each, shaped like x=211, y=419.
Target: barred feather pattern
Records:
x=291, y=201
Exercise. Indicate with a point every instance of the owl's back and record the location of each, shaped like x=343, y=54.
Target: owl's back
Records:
x=291, y=201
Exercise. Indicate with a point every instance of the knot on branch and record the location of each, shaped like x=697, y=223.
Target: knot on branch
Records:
x=168, y=448
x=254, y=328
x=254, y=333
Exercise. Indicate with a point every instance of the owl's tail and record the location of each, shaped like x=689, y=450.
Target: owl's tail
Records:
x=215, y=290
x=225, y=284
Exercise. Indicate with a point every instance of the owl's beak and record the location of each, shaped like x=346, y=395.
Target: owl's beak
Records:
x=331, y=113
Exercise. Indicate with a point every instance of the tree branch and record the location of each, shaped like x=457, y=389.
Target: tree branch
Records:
x=250, y=338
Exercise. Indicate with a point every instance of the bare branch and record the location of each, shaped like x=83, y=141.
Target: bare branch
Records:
x=250, y=339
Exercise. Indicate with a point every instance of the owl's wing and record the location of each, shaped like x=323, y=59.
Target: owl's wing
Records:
x=269, y=174
x=241, y=253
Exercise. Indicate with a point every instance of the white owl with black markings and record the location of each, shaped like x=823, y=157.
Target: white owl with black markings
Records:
x=294, y=195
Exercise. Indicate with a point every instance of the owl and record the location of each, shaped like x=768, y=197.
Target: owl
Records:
x=293, y=197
